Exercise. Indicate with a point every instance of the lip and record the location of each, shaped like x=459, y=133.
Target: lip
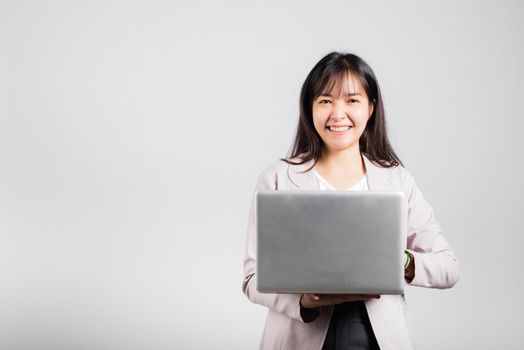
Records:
x=339, y=133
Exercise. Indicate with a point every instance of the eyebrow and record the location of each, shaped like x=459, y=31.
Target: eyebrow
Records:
x=327, y=94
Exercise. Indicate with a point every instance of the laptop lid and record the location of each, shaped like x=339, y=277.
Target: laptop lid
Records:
x=330, y=242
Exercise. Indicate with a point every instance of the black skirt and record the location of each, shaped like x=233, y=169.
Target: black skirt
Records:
x=350, y=329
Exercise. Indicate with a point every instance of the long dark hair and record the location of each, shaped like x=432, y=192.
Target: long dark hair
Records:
x=330, y=70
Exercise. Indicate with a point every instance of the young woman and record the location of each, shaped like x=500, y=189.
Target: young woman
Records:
x=342, y=144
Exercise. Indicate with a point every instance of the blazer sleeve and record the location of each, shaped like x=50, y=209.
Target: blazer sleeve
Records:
x=288, y=304
x=435, y=264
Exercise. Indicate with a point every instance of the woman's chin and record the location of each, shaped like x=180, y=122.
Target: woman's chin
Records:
x=340, y=146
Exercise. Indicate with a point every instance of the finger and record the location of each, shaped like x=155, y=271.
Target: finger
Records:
x=336, y=296
x=336, y=299
x=329, y=299
x=361, y=296
x=313, y=296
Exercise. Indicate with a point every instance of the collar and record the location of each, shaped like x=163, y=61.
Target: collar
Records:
x=378, y=177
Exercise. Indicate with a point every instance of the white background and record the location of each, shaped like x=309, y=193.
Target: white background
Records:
x=132, y=134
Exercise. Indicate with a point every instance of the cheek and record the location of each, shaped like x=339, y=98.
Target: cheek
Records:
x=319, y=121
x=361, y=118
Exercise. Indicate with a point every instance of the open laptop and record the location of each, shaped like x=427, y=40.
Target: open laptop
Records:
x=330, y=242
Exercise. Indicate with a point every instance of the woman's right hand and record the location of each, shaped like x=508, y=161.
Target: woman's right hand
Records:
x=310, y=301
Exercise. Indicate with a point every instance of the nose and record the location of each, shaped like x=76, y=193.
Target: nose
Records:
x=339, y=112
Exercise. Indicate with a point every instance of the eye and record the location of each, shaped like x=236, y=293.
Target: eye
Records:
x=324, y=101
x=353, y=100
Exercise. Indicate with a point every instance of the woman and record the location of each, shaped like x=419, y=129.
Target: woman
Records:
x=341, y=143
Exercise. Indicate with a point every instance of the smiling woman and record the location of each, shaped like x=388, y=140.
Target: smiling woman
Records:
x=341, y=143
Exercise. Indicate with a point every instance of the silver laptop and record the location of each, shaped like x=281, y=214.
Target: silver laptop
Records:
x=330, y=242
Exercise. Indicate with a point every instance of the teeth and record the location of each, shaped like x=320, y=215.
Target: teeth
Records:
x=339, y=128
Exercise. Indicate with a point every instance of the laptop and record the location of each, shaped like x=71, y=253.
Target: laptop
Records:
x=330, y=242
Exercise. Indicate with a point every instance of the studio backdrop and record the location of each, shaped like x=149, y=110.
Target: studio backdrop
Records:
x=132, y=134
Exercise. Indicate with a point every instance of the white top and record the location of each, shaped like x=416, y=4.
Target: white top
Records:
x=361, y=185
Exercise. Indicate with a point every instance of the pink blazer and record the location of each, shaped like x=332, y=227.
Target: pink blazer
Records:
x=435, y=265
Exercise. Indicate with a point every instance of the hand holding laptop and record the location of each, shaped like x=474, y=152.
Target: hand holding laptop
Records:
x=310, y=301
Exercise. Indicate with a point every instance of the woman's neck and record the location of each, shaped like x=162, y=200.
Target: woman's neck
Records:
x=348, y=162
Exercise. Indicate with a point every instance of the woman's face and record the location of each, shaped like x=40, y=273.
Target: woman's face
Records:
x=340, y=116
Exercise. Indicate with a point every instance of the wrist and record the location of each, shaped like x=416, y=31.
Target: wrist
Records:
x=407, y=259
x=409, y=267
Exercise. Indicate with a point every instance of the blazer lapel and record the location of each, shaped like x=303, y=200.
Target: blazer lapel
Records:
x=378, y=178
x=300, y=179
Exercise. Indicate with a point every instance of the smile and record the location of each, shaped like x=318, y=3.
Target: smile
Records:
x=339, y=128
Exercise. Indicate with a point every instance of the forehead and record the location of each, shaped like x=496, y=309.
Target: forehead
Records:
x=342, y=85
